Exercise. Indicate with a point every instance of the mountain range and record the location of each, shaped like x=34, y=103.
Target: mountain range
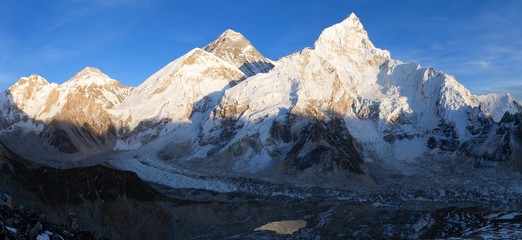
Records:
x=340, y=111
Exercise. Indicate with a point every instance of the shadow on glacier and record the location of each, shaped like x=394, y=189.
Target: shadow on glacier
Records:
x=117, y=204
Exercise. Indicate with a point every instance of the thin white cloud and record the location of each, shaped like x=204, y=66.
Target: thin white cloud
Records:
x=63, y=20
x=481, y=64
x=70, y=11
x=117, y=3
x=186, y=38
x=72, y=47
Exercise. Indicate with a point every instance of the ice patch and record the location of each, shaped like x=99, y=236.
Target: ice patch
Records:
x=509, y=216
x=42, y=237
x=283, y=227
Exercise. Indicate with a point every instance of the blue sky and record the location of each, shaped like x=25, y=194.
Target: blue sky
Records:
x=478, y=41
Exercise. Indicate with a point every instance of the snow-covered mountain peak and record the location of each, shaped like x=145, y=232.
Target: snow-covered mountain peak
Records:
x=496, y=105
x=228, y=39
x=349, y=39
x=31, y=81
x=353, y=21
x=234, y=48
x=195, y=62
x=89, y=76
x=92, y=70
x=94, y=84
x=28, y=88
x=349, y=31
x=233, y=35
x=173, y=91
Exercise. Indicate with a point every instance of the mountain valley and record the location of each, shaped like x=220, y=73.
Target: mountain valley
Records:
x=325, y=134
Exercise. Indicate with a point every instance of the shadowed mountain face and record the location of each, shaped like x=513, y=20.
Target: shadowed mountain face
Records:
x=71, y=118
x=57, y=186
x=96, y=195
x=326, y=145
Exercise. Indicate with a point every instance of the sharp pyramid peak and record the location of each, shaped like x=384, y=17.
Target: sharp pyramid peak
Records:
x=351, y=22
x=228, y=39
x=351, y=27
x=89, y=69
x=353, y=19
x=230, y=31
x=234, y=48
x=349, y=38
x=232, y=34
x=89, y=76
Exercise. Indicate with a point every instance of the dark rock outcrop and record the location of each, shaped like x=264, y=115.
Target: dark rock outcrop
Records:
x=29, y=224
x=444, y=137
x=325, y=144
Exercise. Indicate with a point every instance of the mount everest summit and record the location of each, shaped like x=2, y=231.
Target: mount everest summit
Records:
x=342, y=109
